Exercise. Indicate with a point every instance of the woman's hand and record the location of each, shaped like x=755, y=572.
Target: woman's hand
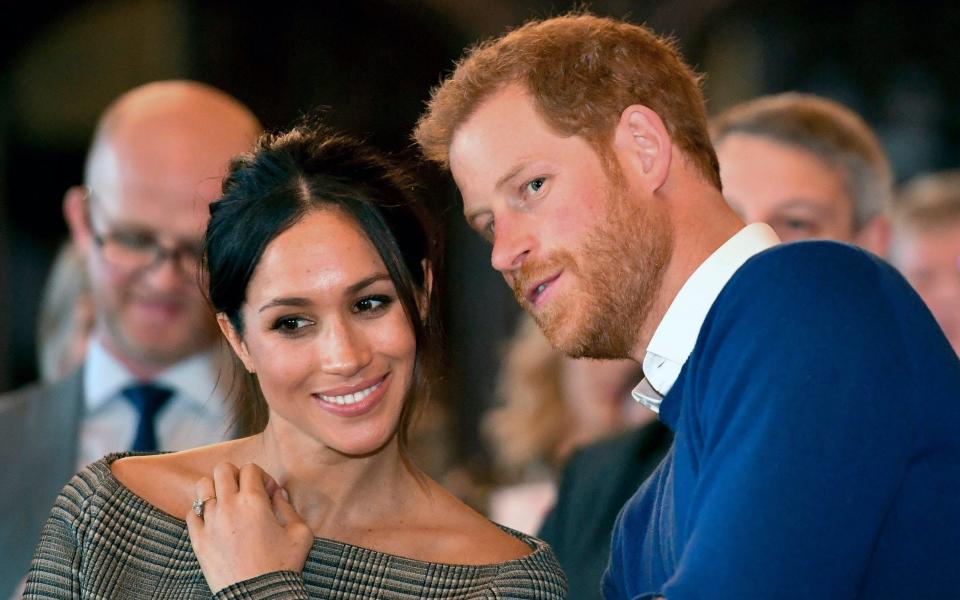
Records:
x=247, y=528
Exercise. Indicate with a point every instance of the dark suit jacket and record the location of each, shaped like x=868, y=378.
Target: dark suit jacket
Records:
x=38, y=449
x=595, y=483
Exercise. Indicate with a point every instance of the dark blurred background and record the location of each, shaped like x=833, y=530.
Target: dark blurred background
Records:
x=371, y=63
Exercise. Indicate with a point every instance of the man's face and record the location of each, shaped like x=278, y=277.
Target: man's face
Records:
x=583, y=256
x=788, y=188
x=156, y=315
x=930, y=260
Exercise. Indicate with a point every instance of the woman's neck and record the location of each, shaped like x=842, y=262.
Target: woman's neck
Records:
x=332, y=492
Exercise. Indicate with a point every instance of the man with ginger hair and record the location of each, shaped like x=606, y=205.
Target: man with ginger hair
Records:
x=581, y=150
x=807, y=166
x=152, y=377
x=925, y=244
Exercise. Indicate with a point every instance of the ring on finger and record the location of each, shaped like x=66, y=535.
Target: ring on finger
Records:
x=198, y=504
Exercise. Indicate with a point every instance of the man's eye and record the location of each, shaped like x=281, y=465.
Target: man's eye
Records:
x=489, y=230
x=372, y=304
x=534, y=185
x=134, y=241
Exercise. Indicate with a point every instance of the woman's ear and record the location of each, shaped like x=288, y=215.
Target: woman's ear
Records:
x=423, y=298
x=236, y=342
x=644, y=146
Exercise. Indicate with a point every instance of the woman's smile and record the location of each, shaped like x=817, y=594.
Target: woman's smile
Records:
x=346, y=403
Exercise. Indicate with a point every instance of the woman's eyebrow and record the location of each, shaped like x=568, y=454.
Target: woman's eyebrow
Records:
x=298, y=301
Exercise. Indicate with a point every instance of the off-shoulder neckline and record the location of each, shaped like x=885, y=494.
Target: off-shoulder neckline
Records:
x=107, y=476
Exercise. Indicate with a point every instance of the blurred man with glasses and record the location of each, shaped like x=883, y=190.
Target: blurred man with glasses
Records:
x=153, y=378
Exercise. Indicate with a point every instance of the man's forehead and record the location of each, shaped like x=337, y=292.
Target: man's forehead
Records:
x=182, y=217
x=122, y=180
x=504, y=132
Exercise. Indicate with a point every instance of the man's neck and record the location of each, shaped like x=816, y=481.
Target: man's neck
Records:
x=700, y=227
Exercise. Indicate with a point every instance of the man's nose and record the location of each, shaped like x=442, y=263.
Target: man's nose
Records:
x=167, y=273
x=513, y=241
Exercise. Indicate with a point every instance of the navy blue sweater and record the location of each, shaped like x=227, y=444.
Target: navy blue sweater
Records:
x=817, y=444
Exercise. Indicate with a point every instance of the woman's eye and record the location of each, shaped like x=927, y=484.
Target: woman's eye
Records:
x=372, y=304
x=290, y=324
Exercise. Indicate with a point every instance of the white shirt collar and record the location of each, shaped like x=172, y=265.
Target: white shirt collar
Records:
x=194, y=379
x=675, y=337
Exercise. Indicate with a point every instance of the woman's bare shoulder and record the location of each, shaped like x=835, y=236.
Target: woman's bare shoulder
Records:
x=471, y=538
x=168, y=481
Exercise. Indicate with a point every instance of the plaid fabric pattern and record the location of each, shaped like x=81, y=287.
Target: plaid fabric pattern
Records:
x=103, y=541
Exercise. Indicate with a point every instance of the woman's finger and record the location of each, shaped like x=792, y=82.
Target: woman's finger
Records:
x=194, y=526
x=203, y=488
x=285, y=512
x=205, y=495
x=269, y=483
x=252, y=480
x=225, y=480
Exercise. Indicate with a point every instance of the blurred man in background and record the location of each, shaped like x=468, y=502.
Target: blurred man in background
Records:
x=807, y=166
x=152, y=377
x=925, y=245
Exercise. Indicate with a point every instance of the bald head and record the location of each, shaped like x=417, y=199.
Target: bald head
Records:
x=170, y=125
x=155, y=164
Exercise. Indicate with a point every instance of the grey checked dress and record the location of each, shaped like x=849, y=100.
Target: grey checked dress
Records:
x=103, y=541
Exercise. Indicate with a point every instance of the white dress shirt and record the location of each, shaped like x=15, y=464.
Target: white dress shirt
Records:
x=195, y=415
x=677, y=334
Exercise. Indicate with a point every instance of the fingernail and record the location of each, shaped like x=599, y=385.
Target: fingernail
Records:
x=285, y=495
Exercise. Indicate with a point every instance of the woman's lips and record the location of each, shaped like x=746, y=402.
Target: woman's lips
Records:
x=355, y=400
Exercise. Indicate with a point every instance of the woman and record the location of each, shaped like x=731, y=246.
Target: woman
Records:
x=319, y=266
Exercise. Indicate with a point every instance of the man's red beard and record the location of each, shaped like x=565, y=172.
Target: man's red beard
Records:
x=609, y=291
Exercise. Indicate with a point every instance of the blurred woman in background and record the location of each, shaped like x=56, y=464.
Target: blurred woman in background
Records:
x=549, y=405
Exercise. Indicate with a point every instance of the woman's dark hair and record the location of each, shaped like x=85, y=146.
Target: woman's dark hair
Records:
x=309, y=168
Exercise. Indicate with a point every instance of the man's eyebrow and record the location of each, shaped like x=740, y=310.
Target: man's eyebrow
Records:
x=510, y=175
x=472, y=216
x=808, y=203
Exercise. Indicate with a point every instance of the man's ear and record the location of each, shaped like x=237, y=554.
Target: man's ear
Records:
x=423, y=298
x=643, y=146
x=75, y=213
x=874, y=236
x=236, y=342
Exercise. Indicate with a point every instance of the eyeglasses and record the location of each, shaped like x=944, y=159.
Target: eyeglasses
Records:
x=133, y=250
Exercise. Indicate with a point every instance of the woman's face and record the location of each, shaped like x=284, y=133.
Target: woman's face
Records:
x=327, y=336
